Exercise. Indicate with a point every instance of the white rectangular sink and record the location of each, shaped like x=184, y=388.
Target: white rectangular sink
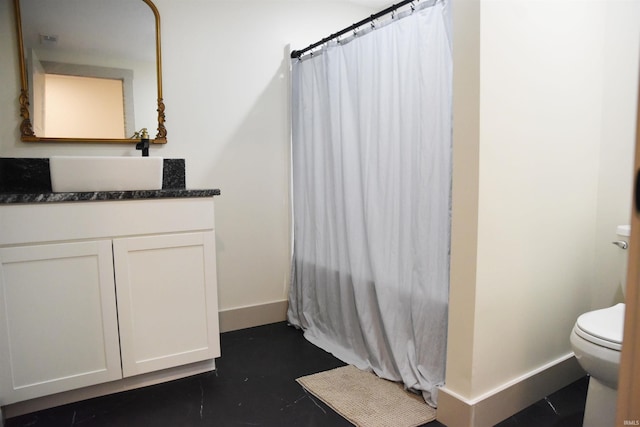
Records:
x=94, y=173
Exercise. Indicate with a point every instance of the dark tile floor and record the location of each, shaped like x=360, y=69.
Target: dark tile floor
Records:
x=563, y=408
x=255, y=385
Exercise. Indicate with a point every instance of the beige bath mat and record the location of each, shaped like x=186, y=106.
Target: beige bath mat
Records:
x=367, y=400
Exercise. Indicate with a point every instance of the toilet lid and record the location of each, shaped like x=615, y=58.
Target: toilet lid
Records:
x=603, y=327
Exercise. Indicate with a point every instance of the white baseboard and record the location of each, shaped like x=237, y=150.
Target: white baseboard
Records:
x=254, y=315
x=508, y=399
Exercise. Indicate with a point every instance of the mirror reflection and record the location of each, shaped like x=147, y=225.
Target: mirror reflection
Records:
x=91, y=69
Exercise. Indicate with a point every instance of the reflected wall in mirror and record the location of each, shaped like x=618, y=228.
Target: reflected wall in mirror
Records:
x=90, y=70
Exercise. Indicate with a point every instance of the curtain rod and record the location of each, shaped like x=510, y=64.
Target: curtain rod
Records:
x=390, y=9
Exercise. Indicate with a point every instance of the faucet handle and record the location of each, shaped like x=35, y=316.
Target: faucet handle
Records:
x=142, y=133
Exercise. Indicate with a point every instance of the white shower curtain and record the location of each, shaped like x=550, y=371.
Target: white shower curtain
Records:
x=371, y=154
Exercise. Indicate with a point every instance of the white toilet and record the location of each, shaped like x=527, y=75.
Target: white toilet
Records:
x=596, y=340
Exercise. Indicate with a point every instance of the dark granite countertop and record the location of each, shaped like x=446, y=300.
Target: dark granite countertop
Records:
x=103, y=195
x=27, y=180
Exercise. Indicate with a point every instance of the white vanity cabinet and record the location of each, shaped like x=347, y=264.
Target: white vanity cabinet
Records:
x=93, y=292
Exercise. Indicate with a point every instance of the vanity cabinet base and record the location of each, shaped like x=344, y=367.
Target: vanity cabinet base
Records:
x=105, y=296
x=104, y=389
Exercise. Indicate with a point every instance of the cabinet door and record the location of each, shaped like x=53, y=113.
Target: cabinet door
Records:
x=167, y=300
x=58, y=324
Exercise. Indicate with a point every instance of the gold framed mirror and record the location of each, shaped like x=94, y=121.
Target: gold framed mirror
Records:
x=89, y=70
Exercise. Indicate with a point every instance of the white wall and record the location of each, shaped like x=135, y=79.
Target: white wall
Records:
x=10, y=77
x=620, y=77
x=225, y=73
x=540, y=110
x=546, y=133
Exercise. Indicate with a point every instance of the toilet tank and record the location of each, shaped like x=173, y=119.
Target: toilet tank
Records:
x=623, y=232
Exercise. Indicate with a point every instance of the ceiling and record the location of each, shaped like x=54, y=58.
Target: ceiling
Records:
x=113, y=28
x=376, y=4
x=96, y=20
